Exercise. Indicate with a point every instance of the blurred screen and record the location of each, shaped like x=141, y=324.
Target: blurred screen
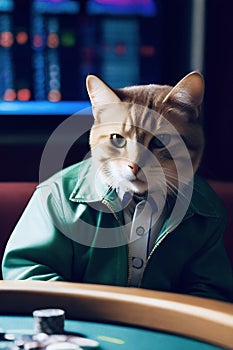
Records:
x=129, y=7
x=48, y=47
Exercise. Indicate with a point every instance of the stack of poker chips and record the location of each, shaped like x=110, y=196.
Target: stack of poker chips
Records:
x=49, y=321
x=49, y=333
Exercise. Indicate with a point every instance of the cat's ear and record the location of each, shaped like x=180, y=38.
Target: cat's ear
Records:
x=189, y=91
x=99, y=92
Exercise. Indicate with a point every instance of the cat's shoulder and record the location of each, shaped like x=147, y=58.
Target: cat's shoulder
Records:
x=67, y=178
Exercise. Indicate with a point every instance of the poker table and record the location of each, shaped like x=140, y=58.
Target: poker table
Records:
x=121, y=318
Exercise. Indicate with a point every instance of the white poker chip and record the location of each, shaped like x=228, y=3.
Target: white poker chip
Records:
x=63, y=346
x=30, y=345
x=84, y=343
x=40, y=337
x=58, y=338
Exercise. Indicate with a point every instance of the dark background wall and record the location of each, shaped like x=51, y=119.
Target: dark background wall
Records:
x=218, y=72
x=218, y=113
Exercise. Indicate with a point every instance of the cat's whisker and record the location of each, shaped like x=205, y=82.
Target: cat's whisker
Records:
x=184, y=195
x=170, y=187
x=172, y=175
x=173, y=189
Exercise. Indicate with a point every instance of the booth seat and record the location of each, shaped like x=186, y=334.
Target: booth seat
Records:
x=15, y=195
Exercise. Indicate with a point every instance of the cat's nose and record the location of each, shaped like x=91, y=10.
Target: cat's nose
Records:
x=135, y=168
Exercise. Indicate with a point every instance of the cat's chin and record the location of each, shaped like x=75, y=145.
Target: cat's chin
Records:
x=136, y=186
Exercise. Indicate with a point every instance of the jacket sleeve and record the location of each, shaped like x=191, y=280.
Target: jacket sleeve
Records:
x=209, y=273
x=37, y=249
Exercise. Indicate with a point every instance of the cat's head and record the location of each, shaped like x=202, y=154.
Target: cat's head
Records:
x=146, y=136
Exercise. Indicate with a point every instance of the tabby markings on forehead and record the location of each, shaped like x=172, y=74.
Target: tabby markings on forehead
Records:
x=143, y=117
x=140, y=135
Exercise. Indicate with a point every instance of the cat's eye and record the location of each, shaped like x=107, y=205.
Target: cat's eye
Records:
x=118, y=140
x=160, y=141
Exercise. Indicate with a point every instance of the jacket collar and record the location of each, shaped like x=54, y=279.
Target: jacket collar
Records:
x=89, y=188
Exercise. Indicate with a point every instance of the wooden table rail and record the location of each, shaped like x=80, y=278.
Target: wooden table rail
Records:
x=198, y=318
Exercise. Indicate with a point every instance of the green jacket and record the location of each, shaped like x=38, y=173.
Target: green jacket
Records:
x=72, y=230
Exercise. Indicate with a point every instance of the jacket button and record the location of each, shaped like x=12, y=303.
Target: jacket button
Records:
x=140, y=230
x=137, y=263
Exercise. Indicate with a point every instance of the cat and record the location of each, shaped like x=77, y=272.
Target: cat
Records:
x=135, y=213
x=147, y=137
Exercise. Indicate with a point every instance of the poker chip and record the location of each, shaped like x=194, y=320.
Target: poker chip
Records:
x=63, y=346
x=49, y=321
x=40, y=337
x=31, y=346
x=84, y=343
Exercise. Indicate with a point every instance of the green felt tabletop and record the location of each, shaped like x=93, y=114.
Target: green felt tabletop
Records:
x=111, y=337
